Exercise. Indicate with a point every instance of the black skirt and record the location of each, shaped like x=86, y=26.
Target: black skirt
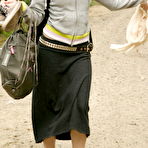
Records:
x=61, y=100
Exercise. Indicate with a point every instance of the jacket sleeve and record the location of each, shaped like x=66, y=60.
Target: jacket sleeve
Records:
x=35, y=11
x=120, y=4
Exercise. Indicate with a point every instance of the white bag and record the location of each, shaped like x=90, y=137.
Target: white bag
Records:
x=137, y=31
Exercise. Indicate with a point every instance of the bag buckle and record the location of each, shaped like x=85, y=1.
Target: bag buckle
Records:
x=11, y=47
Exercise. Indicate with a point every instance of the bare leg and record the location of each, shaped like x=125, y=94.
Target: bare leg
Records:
x=78, y=139
x=49, y=142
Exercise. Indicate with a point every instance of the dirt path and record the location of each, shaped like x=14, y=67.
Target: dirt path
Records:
x=119, y=93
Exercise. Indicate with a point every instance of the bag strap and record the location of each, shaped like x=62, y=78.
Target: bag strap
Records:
x=90, y=37
x=48, y=4
x=47, y=8
x=43, y=23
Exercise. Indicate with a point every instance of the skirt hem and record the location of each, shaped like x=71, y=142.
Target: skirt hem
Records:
x=61, y=132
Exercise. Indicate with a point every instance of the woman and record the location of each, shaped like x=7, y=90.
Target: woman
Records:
x=60, y=102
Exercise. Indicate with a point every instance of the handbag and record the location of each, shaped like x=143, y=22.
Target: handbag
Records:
x=18, y=59
x=18, y=62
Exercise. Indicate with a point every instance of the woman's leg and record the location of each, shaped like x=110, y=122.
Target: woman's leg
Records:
x=49, y=142
x=78, y=139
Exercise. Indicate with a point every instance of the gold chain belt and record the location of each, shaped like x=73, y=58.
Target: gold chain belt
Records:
x=67, y=48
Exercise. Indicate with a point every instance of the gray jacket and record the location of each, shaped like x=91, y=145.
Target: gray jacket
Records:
x=71, y=16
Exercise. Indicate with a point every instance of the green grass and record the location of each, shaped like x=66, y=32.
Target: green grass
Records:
x=3, y=36
x=93, y=3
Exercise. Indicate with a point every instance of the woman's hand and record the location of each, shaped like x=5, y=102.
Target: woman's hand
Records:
x=144, y=5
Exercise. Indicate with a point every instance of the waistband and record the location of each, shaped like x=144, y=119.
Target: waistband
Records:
x=51, y=32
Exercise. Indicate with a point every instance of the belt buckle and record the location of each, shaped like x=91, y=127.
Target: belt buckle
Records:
x=89, y=47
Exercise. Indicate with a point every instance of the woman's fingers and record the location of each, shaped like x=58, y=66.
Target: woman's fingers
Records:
x=145, y=5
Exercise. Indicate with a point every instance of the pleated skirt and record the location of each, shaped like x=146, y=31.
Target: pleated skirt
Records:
x=60, y=102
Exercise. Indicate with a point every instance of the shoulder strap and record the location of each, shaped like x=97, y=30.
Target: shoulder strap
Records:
x=48, y=2
x=47, y=6
x=43, y=23
x=47, y=10
x=90, y=37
